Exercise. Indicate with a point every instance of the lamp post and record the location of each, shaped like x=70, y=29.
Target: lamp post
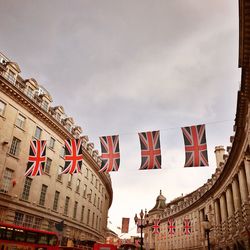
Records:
x=207, y=227
x=142, y=224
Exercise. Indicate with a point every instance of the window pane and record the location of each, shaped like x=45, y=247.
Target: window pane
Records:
x=59, y=176
x=51, y=142
x=20, y=121
x=6, y=183
x=18, y=218
x=26, y=188
x=47, y=165
x=43, y=195
x=55, y=205
x=38, y=132
x=15, y=146
x=2, y=107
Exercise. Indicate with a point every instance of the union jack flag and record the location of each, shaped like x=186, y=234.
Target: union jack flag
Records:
x=110, y=153
x=73, y=156
x=150, y=150
x=156, y=226
x=36, y=160
x=171, y=226
x=187, y=226
x=195, y=146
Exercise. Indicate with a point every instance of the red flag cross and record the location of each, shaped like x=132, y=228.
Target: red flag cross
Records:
x=150, y=150
x=73, y=156
x=187, y=226
x=156, y=226
x=111, y=154
x=171, y=226
x=195, y=136
x=36, y=158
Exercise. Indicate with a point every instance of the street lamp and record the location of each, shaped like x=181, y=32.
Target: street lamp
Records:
x=207, y=227
x=142, y=224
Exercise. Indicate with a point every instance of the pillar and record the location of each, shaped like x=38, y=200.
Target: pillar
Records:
x=230, y=204
x=236, y=194
x=223, y=208
x=243, y=185
x=247, y=171
x=217, y=212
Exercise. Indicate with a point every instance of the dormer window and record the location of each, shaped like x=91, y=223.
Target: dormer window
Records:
x=68, y=127
x=58, y=117
x=11, y=77
x=45, y=105
x=29, y=92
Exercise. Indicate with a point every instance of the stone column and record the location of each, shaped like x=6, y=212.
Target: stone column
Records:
x=243, y=185
x=236, y=195
x=230, y=204
x=217, y=212
x=223, y=208
x=247, y=171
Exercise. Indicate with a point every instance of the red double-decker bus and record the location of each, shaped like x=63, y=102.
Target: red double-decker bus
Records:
x=13, y=237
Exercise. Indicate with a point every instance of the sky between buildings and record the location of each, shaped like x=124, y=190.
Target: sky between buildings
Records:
x=123, y=67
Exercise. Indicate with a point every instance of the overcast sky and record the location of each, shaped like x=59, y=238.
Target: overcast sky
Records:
x=123, y=67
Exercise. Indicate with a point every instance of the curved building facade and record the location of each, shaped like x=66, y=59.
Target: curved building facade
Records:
x=218, y=213
x=82, y=200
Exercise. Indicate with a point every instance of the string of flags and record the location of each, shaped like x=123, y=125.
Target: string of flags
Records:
x=194, y=141
x=171, y=226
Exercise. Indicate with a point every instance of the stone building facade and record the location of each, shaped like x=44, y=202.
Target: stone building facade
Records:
x=224, y=200
x=82, y=200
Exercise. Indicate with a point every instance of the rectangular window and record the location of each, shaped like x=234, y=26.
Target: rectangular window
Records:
x=93, y=219
x=98, y=203
x=52, y=142
x=69, y=180
x=56, y=199
x=43, y=195
x=92, y=178
x=2, y=108
x=28, y=221
x=68, y=127
x=45, y=105
x=11, y=77
x=87, y=173
x=18, y=219
x=90, y=195
x=88, y=216
x=59, y=176
x=85, y=191
x=26, y=188
x=38, y=133
x=37, y=223
x=58, y=117
x=95, y=200
x=15, y=146
x=20, y=121
x=47, y=165
x=62, y=152
x=82, y=213
x=96, y=183
x=78, y=183
x=75, y=210
x=66, y=206
x=96, y=226
x=6, y=183
x=29, y=92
